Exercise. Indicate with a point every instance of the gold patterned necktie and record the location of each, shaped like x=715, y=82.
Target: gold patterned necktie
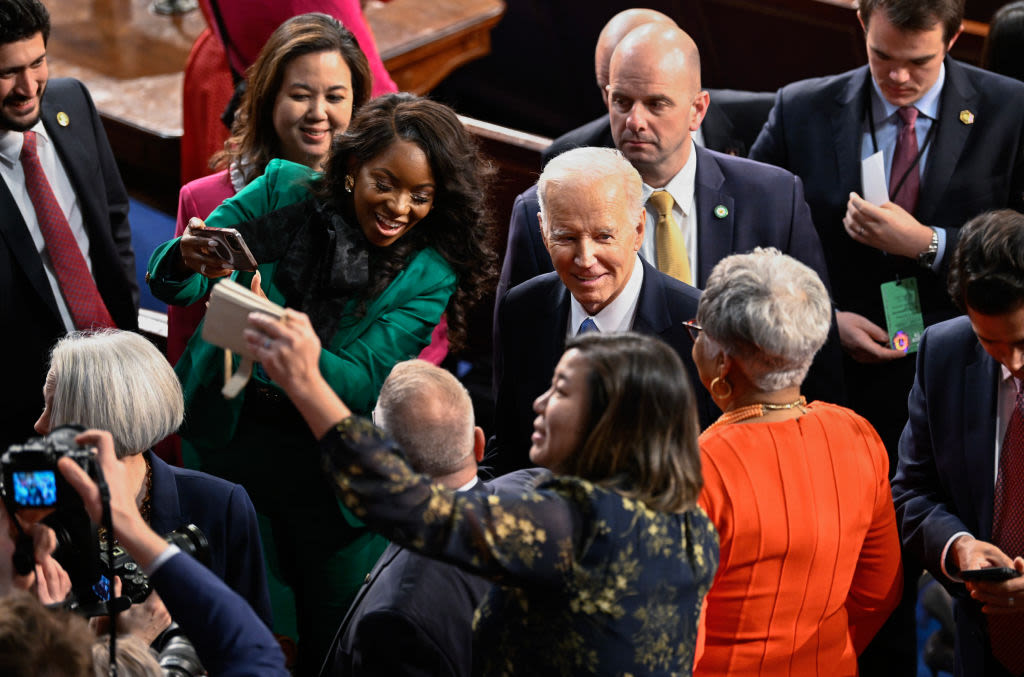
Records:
x=673, y=259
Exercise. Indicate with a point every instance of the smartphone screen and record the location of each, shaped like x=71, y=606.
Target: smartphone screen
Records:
x=35, y=488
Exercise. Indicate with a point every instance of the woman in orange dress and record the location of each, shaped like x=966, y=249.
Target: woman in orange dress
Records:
x=810, y=559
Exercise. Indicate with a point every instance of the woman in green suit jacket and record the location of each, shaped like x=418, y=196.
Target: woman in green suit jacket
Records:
x=375, y=250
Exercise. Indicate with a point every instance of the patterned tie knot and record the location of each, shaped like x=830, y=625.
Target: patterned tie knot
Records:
x=909, y=115
x=662, y=202
x=587, y=325
x=28, y=147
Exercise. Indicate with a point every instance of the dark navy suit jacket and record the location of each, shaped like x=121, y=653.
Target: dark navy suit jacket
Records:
x=765, y=208
x=225, y=515
x=532, y=321
x=945, y=479
x=974, y=164
x=227, y=634
x=28, y=310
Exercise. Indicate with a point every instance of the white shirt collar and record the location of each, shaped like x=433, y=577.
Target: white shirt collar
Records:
x=680, y=186
x=469, y=485
x=927, y=105
x=11, y=143
x=618, y=315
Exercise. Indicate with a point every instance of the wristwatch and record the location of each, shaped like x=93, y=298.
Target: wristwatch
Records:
x=927, y=257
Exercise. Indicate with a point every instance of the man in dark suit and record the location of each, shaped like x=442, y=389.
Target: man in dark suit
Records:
x=42, y=296
x=414, y=615
x=592, y=219
x=959, y=485
x=964, y=152
x=720, y=204
x=733, y=118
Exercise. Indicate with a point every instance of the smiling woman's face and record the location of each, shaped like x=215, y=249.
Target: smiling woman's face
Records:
x=393, y=192
x=558, y=430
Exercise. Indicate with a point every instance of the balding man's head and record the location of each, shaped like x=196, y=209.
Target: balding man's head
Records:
x=655, y=99
x=618, y=27
x=429, y=414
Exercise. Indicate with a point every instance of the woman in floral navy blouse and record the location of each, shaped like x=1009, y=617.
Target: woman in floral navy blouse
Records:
x=599, y=570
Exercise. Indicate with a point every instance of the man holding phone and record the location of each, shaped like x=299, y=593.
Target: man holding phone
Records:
x=959, y=484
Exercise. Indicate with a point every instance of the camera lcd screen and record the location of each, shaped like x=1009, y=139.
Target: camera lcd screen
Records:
x=35, y=488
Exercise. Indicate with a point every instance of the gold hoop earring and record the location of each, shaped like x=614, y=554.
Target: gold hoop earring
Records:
x=350, y=183
x=719, y=380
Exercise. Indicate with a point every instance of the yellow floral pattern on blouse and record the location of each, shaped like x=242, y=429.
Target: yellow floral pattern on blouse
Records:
x=587, y=580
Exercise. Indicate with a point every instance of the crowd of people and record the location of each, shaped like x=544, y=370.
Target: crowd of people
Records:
x=741, y=402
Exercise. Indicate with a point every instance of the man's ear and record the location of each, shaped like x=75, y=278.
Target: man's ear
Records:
x=641, y=224
x=479, y=442
x=860, y=18
x=699, y=109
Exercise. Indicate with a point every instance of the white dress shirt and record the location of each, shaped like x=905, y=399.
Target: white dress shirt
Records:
x=681, y=188
x=618, y=315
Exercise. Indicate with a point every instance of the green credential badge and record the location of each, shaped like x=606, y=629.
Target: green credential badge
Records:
x=903, y=314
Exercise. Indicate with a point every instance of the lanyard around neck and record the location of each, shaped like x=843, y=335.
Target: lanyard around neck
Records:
x=870, y=114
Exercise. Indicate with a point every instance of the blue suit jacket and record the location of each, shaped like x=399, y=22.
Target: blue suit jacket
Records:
x=815, y=131
x=26, y=299
x=227, y=635
x=766, y=208
x=225, y=515
x=532, y=321
x=945, y=478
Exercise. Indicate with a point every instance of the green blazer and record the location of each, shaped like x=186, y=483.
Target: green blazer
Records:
x=396, y=325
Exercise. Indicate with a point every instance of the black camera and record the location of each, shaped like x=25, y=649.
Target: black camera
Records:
x=134, y=583
x=32, y=485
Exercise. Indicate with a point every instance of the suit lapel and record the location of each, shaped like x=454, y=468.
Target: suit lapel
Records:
x=553, y=324
x=847, y=121
x=981, y=378
x=714, y=226
x=958, y=94
x=652, y=316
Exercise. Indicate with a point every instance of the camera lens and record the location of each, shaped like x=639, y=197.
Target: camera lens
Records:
x=191, y=539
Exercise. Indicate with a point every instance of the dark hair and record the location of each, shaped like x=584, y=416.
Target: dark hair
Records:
x=37, y=641
x=1004, y=47
x=643, y=421
x=21, y=19
x=458, y=226
x=253, y=140
x=986, y=272
x=918, y=15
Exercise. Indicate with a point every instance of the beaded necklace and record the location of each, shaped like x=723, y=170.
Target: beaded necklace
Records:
x=757, y=410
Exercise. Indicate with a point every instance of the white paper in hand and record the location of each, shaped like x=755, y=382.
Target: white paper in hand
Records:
x=872, y=176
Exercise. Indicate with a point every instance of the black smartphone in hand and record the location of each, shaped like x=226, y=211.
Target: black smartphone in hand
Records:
x=989, y=574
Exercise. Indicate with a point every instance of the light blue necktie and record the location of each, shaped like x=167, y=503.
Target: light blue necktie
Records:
x=587, y=325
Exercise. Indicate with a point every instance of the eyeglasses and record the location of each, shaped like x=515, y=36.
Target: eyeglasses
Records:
x=694, y=329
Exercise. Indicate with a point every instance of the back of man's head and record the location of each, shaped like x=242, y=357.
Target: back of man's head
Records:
x=42, y=643
x=611, y=35
x=986, y=273
x=21, y=19
x=917, y=15
x=429, y=414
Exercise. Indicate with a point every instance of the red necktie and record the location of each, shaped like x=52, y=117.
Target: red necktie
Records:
x=76, y=283
x=903, y=163
x=1007, y=632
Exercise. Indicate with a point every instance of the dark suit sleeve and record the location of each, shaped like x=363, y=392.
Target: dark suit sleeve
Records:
x=770, y=145
x=116, y=199
x=926, y=523
x=228, y=636
x=388, y=643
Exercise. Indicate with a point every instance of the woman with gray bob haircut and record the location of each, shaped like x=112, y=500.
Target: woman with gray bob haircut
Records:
x=115, y=381
x=118, y=381
x=770, y=313
x=799, y=493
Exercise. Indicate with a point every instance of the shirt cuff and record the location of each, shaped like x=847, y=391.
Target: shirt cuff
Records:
x=945, y=553
x=170, y=551
x=941, y=251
